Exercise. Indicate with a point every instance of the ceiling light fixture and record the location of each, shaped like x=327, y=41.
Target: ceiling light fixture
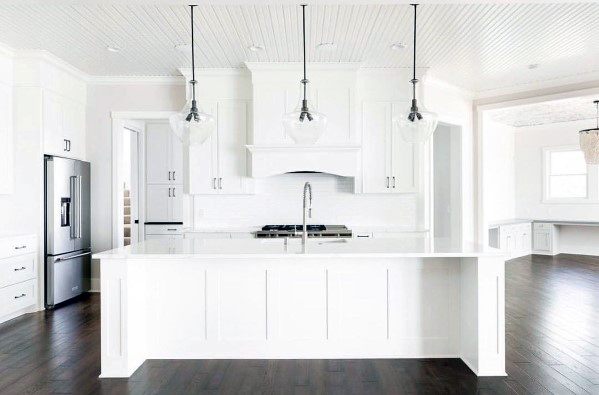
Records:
x=304, y=125
x=533, y=66
x=112, y=48
x=398, y=46
x=415, y=124
x=589, y=141
x=185, y=48
x=256, y=48
x=326, y=46
x=192, y=125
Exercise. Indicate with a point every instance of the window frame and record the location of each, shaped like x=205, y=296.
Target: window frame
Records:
x=592, y=179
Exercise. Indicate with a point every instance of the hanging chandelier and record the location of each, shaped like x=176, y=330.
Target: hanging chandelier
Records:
x=304, y=124
x=415, y=124
x=589, y=141
x=191, y=124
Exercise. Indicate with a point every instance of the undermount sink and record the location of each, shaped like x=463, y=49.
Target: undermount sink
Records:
x=298, y=241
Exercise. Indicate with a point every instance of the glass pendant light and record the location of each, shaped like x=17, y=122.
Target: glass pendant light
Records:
x=192, y=125
x=589, y=141
x=415, y=124
x=304, y=124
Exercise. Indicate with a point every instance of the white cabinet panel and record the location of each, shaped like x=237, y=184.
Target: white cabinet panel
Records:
x=232, y=122
x=297, y=314
x=241, y=304
x=542, y=241
x=358, y=303
x=376, y=121
x=176, y=204
x=272, y=102
x=176, y=158
x=337, y=104
x=17, y=269
x=158, y=199
x=6, y=140
x=158, y=167
x=63, y=122
x=405, y=160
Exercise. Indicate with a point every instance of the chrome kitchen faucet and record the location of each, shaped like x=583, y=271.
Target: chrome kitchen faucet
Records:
x=307, y=210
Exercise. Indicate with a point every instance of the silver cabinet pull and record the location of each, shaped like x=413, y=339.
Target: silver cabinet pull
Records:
x=169, y=175
x=169, y=192
x=18, y=269
x=220, y=183
x=393, y=181
x=171, y=229
x=387, y=182
x=20, y=296
x=66, y=145
x=174, y=179
x=174, y=192
x=20, y=247
x=214, y=183
x=69, y=145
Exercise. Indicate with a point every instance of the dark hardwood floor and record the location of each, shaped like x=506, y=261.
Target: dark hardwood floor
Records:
x=552, y=315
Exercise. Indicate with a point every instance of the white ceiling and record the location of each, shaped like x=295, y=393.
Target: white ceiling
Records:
x=479, y=47
x=564, y=110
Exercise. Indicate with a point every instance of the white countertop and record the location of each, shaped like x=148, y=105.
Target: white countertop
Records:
x=317, y=248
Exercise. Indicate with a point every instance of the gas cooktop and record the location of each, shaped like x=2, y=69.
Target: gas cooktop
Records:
x=296, y=231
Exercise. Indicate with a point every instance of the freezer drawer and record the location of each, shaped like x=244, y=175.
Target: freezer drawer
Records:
x=67, y=276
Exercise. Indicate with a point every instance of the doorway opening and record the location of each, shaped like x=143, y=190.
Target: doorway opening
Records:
x=447, y=183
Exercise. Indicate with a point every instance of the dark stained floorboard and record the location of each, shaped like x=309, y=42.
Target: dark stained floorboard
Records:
x=552, y=346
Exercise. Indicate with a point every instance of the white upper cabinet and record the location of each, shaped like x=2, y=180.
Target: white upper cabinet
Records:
x=164, y=154
x=6, y=139
x=276, y=91
x=390, y=164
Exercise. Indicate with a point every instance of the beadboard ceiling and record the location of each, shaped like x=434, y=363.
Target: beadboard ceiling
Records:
x=564, y=110
x=479, y=47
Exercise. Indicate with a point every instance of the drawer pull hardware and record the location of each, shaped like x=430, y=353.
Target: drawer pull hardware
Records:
x=169, y=175
x=20, y=247
x=174, y=179
x=169, y=192
x=387, y=182
x=214, y=183
x=20, y=296
x=17, y=269
x=393, y=181
x=171, y=229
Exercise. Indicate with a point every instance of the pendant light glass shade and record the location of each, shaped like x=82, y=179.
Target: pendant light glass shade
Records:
x=415, y=124
x=191, y=125
x=589, y=141
x=304, y=124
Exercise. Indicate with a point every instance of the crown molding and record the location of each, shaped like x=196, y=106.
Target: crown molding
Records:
x=47, y=56
x=136, y=80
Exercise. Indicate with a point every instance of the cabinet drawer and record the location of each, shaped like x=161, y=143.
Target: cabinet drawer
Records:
x=17, y=296
x=17, y=269
x=17, y=245
x=164, y=229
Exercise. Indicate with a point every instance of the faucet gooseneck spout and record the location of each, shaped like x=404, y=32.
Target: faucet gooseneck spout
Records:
x=307, y=210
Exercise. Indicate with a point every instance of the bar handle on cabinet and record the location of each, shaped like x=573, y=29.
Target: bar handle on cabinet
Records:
x=174, y=192
x=220, y=183
x=66, y=145
x=169, y=192
x=69, y=145
x=174, y=179
x=387, y=182
x=20, y=296
x=393, y=181
x=214, y=183
x=169, y=175
x=18, y=269
x=20, y=247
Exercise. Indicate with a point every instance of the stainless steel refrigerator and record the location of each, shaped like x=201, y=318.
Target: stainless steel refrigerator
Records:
x=67, y=223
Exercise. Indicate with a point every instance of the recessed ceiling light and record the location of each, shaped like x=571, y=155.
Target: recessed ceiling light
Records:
x=256, y=48
x=113, y=48
x=533, y=66
x=398, y=46
x=183, y=47
x=326, y=45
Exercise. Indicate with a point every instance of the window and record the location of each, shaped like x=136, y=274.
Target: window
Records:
x=567, y=176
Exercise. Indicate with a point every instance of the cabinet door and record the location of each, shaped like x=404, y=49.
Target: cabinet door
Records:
x=52, y=123
x=158, y=149
x=176, y=159
x=6, y=140
x=158, y=203
x=405, y=158
x=202, y=169
x=232, y=132
x=542, y=241
x=376, y=121
x=74, y=129
x=176, y=204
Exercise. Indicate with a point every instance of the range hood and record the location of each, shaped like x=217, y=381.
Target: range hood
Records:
x=265, y=161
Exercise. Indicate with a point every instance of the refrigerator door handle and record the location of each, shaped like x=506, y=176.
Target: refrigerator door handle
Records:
x=73, y=257
x=76, y=207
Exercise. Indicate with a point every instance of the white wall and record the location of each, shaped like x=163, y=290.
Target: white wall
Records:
x=101, y=101
x=529, y=142
x=499, y=171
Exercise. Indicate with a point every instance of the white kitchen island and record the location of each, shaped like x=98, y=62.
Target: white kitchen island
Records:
x=263, y=298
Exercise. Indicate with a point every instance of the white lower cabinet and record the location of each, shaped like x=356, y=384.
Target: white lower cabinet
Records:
x=18, y=276
x=163, y=231
x=544, y=238
x=164, y=203
x=515, y=239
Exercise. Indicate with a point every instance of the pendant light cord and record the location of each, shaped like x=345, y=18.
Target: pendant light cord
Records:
x=305, y=80
x=194, y=109
x=414, y=80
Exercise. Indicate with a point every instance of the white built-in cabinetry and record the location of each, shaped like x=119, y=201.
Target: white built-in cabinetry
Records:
x=6, y=124
x=545, y=238
x=63, y=125
x=18, y=275
x=390, y=164
x=514, y=238
x=164, y=174
x=219, y=165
